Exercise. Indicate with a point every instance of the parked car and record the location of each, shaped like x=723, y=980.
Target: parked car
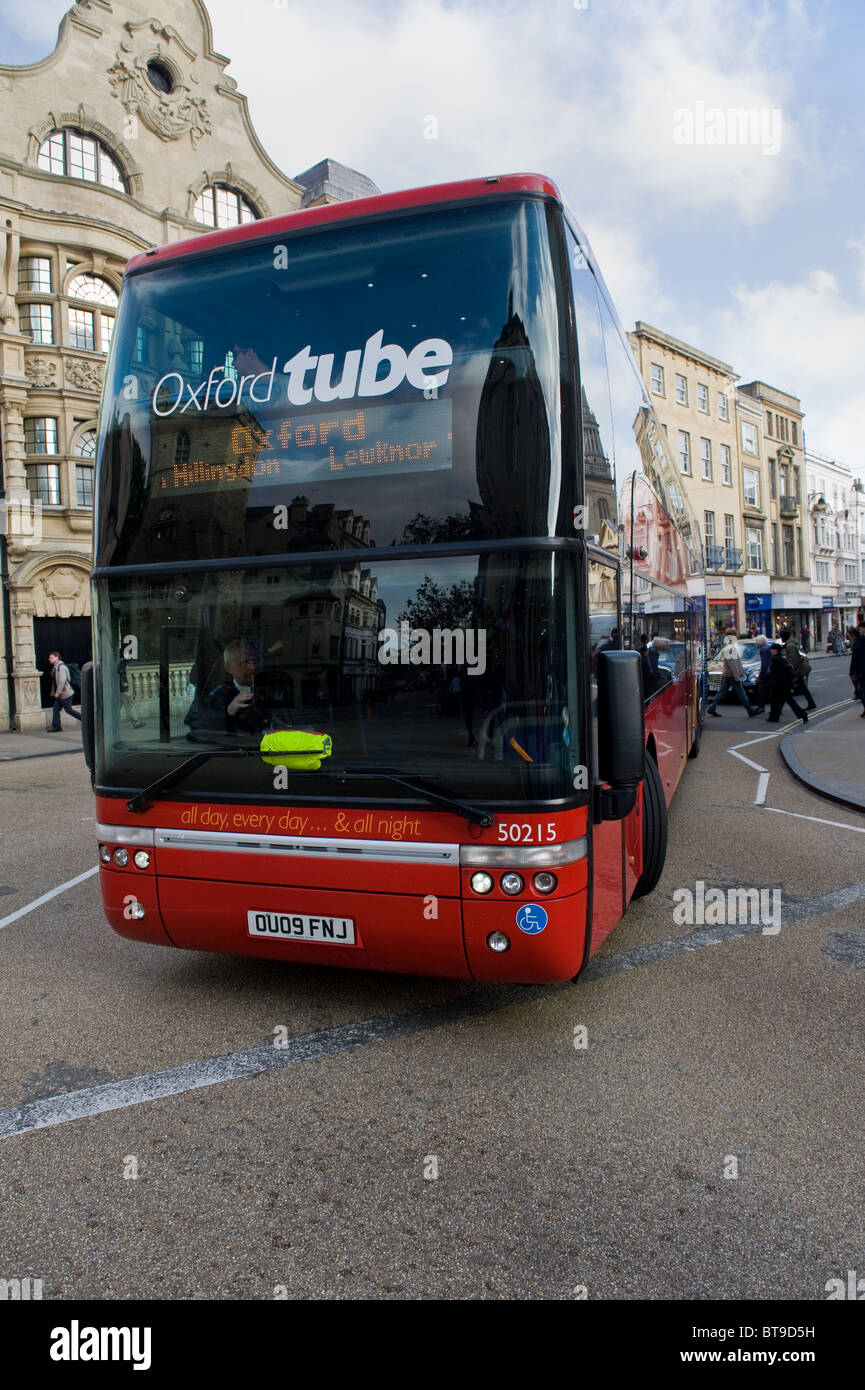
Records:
x=749, y=655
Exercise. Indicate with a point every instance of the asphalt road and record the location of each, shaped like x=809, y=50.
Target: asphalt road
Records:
x=707, y=1143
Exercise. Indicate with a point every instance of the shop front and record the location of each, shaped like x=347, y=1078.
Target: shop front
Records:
x=758, y=613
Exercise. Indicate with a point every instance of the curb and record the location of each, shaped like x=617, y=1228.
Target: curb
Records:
x=824, y=789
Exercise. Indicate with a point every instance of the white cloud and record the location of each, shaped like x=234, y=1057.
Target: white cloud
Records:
x=807, y=337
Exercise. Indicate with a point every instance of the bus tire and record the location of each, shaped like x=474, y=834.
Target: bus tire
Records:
x=654, y=830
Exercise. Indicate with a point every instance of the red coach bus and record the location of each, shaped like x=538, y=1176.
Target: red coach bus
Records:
x=384, y=522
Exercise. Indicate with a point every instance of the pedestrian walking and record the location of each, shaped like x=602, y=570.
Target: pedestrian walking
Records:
x=800, y=665
x=805, y=638
x=857, y=666
x=62, y=692
x=780, y=690
x=836, y=641
x=732, y=681
x=759, y=696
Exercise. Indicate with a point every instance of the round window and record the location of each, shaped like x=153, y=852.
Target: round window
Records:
x=159, y=77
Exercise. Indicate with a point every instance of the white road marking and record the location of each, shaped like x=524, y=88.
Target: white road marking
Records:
x=840, y=824
x=762, y=786
x=46, y=897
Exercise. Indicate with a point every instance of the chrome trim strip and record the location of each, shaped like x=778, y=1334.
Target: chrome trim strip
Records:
x=125, y=834
x=523, y=856
x=380, y=851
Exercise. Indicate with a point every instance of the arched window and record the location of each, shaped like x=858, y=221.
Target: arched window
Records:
x=221, y=206
x=181, y=448
x=94, y=289
x=77, y=155
x=88, y=328
x=85, y=445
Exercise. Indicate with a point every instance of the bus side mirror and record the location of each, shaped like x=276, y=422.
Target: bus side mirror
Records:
x=88, y=720
x=621, y=733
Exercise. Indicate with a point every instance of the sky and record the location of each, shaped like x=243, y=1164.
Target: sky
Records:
x=746, y=241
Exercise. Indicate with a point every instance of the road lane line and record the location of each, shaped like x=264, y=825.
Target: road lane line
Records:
x=46, y=897
x=762, y=787
x=307, y=1047
x=841, y=825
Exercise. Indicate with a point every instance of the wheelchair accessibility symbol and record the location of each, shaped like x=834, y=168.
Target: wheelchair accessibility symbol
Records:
x=532, y=919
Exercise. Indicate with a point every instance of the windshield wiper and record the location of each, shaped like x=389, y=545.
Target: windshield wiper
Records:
x=387, y=774
x=143, y=800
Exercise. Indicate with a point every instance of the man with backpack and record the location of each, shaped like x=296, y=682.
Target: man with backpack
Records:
x=800, y=666
x=62, y=692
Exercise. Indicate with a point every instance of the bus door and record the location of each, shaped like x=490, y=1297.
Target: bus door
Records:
x=608, y=837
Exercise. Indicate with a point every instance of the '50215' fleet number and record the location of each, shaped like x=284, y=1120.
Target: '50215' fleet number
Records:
x=517, y=834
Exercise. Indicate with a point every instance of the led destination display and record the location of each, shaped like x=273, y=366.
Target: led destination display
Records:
x=400, y=439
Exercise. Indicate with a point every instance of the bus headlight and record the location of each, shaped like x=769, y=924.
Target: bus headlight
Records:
x=512, y=883
x=121, y=857
x=135, y=909
x=105, y=854
x=543, y=882
x=141, y=859
x=482, y=883
x=497, y=941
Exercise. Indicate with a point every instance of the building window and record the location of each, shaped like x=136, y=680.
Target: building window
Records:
x=703, y=399
x=822, y=568
x=44, y=482
x=755, y=548
x=34, y=273
x=723, y=407
x=788, y=553
x=193, y=352
x=681, y=390
x=75, y=155
x=221, y=206
x=751, y=480
x=40, y=435
x=684, y=452
x=93, y=290
x=657, y=379
x=85, y=445
x=706, y=458
x=729, y=530
x=159, y=77
x=83, y=485
x=81, y=331
x=794, y=428
x=749, y=438
x=182, y=447
x=710, y=528
x=769, y=422
x=36, y=323
x=726, y=466
x=849, y=574
x=142, y=343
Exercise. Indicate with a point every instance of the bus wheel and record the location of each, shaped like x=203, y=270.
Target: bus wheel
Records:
x=654, y=830
x=698, y=734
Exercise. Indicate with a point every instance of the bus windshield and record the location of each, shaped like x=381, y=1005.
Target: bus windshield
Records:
x=404, y=372
x=456, y=670
x=293, y=432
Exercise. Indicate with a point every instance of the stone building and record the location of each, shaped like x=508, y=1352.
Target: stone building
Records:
x=692, y=394
x=130, y=134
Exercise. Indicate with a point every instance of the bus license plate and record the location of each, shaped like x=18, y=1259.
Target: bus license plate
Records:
x=296, y=926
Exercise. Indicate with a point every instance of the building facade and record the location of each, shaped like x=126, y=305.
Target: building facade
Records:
x=130, y=134
x=836, y=516
x=694, y=398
